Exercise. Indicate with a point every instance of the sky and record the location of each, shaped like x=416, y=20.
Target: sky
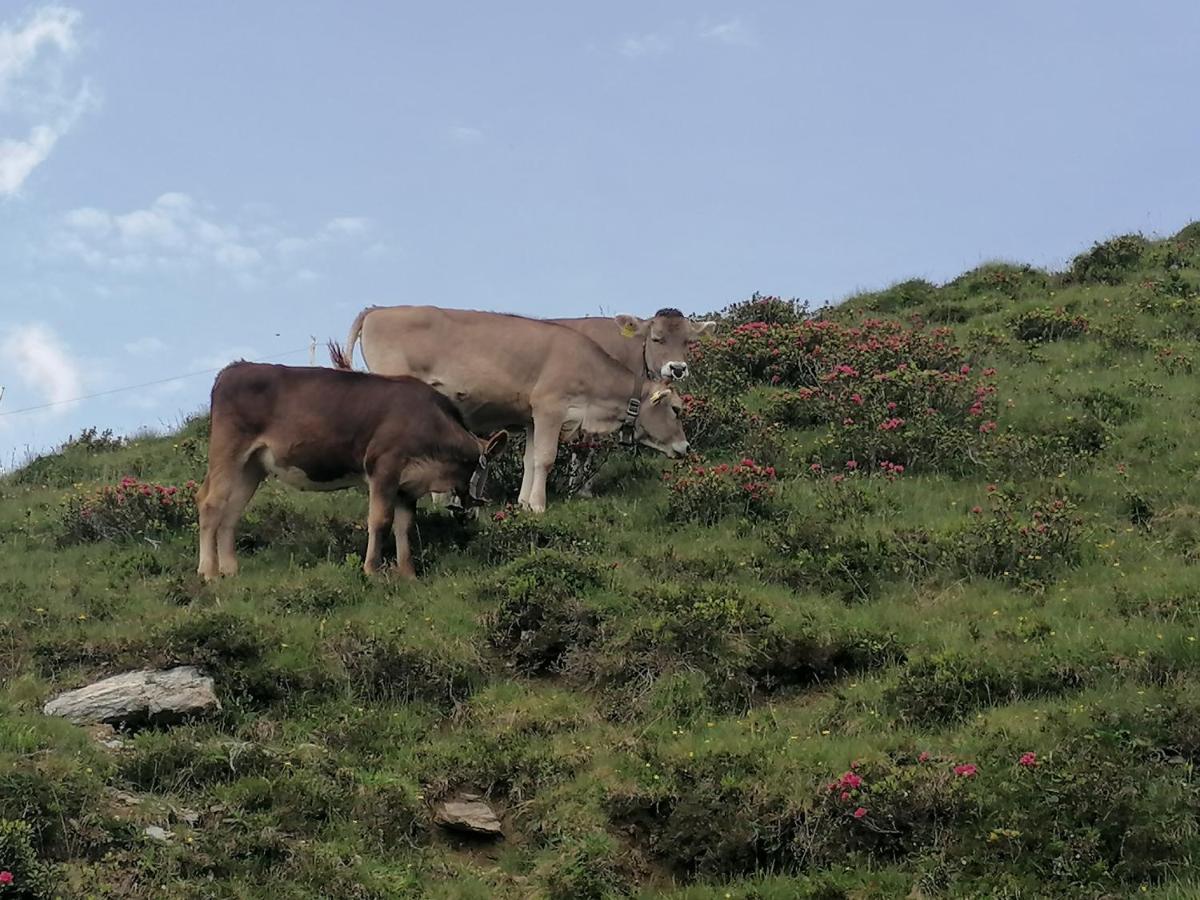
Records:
x=186, y=184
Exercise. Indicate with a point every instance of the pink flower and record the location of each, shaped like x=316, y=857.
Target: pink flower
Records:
x=987, y=427
x=500, y=516
x=977, y=509
x=851, y=780
x=860, y=812
x=966, y=770
x=924, y=757
x=815, y=467
x=851, y=464
x=1028, y=760
x=6, y=877
x=845, y=796
x=856, y=398
x=965, y=370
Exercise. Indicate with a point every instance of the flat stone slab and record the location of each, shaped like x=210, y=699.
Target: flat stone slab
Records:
x=148, y=695
x=468, y=814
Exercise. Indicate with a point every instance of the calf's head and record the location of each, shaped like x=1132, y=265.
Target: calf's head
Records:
x=666, y=336
x=658, y=424
x=471, y=489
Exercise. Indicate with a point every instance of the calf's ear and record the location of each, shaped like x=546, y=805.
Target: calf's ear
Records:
x=701, y=328
x=495, y=444
x=632, y=326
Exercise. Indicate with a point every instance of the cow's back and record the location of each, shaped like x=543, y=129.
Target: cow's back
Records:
x=493, y=366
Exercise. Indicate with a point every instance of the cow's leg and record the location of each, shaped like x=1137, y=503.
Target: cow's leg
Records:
x=527, y=475
x=380, y=516
x=240, y=487
x=401, y=524
x=546, y=432
x=210, y=504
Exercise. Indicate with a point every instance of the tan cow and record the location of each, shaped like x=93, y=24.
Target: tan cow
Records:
x=507, y=371
x=657, y=346
x=324, y=430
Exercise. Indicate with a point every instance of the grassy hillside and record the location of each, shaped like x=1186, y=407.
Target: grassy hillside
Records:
x=922, y=622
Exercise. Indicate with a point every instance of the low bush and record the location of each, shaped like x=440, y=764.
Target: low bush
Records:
x=1043, y=324
x=1109, y=262
x=541, y=617
x=1025, y=543
x=127, y=510
x=708, y=494
x=23, y=876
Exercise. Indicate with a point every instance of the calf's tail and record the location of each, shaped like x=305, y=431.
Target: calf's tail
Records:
x=346, y=360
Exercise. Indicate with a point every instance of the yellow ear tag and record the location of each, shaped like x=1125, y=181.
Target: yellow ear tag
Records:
x=628, y=329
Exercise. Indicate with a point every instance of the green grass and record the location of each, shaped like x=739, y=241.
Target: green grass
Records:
x=655, y=707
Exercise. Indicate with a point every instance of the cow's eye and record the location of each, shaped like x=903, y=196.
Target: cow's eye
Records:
x=657, y=340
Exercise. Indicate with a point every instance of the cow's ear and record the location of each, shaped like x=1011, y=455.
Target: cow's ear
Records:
x=496, y=444
x=702, y=328
x=631, y=326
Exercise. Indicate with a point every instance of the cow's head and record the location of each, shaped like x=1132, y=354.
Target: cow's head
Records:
x=658, y=424
x=666, y=338
x=472, y=487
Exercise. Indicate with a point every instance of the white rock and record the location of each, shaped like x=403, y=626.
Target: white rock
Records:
x=157, y=834
x=470, y=814
x=137, y=696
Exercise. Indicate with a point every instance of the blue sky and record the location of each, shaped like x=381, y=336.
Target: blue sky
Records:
x=181, y=184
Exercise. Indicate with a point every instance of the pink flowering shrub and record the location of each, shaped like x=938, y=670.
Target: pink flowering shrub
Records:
x=707, y=494
x=883, y=391
x=129, y=509
x=1023, y=542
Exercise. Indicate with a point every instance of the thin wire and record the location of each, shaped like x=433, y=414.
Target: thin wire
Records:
x=134, y=387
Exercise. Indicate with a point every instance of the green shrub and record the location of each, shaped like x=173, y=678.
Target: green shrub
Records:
x=946, y=688
x=1024, y=543
x=510, y=533
x=763, y=308
x=22, y=875
x=387, y=666
x=1042, y=324
x=540, y=617
x=1109, y=262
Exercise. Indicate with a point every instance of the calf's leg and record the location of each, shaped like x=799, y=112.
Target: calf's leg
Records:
x=380, y=516
x=210, y=517
x=400, y=526
x=239, y=488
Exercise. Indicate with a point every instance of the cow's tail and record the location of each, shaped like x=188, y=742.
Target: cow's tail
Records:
x=345, y=359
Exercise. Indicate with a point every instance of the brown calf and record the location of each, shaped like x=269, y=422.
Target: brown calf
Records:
x=322, y=429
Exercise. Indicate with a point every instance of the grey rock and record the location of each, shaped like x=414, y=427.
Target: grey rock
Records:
x=470, y=814
x=145, y=695
x=161, y=835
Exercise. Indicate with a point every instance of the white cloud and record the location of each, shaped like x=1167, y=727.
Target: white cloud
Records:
x=52, y=27
x=347, y=225
x=176, y=232
x=465, y=134
x=731, y=31
x=37, y=357
x=639, y=45
x=147, y=346
x=33, y=56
